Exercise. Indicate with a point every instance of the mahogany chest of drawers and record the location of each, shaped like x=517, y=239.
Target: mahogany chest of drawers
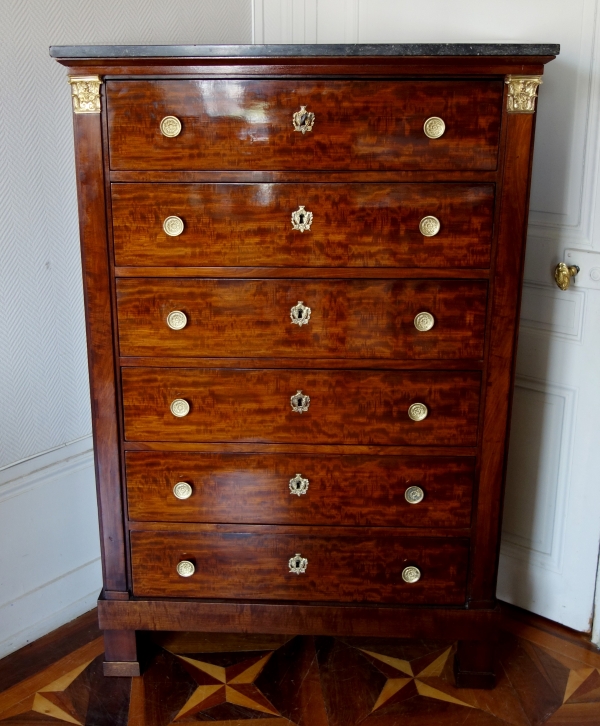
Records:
x=302, y=271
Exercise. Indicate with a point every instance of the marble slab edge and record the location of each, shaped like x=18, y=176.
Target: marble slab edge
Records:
x=289, y=50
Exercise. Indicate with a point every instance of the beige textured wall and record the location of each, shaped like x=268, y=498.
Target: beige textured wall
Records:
x=43, y=369
x=49, y=549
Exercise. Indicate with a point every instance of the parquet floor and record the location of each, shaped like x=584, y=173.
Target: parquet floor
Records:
x=546, y=675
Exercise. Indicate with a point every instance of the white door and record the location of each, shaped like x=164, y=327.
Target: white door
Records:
x=551, y=534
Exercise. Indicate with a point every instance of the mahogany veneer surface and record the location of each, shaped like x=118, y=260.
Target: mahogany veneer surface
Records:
x=368, y=174
x=354, y=225
x=342, y=569
x=247, y=124
x=349, y=318
x=346, y=490
x=346, y=407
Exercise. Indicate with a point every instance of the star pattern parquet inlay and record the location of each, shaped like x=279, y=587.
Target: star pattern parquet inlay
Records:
x=229, y=680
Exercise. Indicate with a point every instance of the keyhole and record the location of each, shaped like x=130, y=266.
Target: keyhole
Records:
x=299, y=314
x=299, y=402
x=301, y=218
x=303, y=119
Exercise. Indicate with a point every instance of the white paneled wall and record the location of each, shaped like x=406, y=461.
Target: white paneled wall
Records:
x=49, y=567
x=552, y=516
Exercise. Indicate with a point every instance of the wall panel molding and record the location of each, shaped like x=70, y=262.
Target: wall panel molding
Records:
x=47, y=505
x=550, y=233
x=550, y=311
x=305, y=21
x=49, y=606
x=539, y=468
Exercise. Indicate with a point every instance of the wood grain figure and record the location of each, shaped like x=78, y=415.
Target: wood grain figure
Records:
x=302, y=273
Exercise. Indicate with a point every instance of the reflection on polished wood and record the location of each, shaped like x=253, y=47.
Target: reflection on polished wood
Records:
x=246, y=124
x=345, y=568
x=230, y=182
x=348, y=318
x=346, y=407
x=372, y=225
x=254, y=488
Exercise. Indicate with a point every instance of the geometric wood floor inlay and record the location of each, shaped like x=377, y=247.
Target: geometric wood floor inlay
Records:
x=232, y=680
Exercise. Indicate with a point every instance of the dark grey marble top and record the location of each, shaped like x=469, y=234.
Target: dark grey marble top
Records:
x=267, y=51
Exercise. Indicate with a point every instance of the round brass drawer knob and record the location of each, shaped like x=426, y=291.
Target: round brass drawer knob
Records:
x=185, y=568
x=434, y=127
x=176, y=320
x=173, y=226
x=182, y=490
x=170, y=126
x=414, y=495
x=429, y=226
x=424, y=322
x=417, y=411
x=180, y=407
x=411, y=574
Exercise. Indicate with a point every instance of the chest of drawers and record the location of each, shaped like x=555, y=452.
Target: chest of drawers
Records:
x=302, y=271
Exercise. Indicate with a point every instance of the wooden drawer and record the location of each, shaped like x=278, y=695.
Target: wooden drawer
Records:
x=353, y=225
x=348, y=318
x=247, y=124
x=346, y=407
x=340, y=568
x=337, y=490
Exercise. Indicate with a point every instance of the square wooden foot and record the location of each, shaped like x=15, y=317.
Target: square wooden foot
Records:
x=474, y=664
x=120, y=653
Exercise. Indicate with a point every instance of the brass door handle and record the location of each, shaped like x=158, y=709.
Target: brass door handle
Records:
x=563, y=274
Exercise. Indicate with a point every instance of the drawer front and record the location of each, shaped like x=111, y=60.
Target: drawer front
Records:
x=248, y=124
x=346, y=407
x=348, y=318
x=372, y=491
x=340, y=569
x=354, y=225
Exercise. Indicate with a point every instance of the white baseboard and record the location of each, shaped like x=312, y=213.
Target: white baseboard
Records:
x=48, y=607
x=50, y=568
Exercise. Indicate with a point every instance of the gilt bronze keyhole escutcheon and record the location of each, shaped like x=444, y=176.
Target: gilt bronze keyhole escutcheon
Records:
x=300, y=402
x=303, y=120
x=300, y=314
x=302, y=219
